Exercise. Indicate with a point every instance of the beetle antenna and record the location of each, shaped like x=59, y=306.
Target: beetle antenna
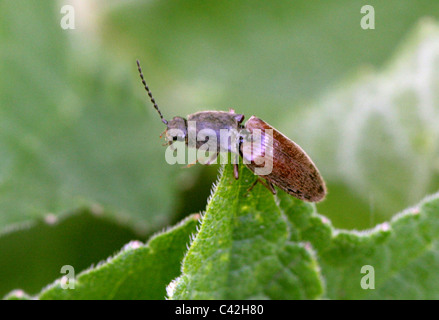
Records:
x=149, y=93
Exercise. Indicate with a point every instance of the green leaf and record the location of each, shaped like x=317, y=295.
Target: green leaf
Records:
x=250, y=247
x=253, y=246
x=243, y=250
x=404, y=252
x=139, y=271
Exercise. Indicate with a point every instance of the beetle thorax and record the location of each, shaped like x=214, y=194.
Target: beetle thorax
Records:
x=176, y=129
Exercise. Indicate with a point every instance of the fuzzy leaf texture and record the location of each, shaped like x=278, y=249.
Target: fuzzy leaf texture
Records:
x=404, y=252
x=248, y=247
x=243, y=249
x=253, y=245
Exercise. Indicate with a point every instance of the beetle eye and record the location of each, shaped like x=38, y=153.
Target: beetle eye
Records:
x=174, y=138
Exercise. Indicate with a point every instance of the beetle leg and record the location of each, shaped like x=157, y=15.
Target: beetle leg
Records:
x=191, y=164
x=209, y=162
x=236, y=171
x=266, y=184
x=253, y=185
x=271, y=187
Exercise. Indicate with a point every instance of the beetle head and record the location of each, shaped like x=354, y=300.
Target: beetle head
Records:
x=176, y=130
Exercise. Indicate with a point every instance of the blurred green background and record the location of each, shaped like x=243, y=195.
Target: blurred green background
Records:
x=82, y=168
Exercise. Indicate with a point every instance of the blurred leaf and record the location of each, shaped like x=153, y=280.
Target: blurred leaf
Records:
x=404, y=252
x=139, y=271
x=378, y=133
x=242, y=249
x=32, y=254
x=73, y=125
x=253, y=55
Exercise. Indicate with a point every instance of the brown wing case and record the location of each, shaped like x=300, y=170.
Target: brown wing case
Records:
x=293, y=171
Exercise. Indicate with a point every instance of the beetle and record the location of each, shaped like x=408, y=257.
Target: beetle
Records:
x=292, y=170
